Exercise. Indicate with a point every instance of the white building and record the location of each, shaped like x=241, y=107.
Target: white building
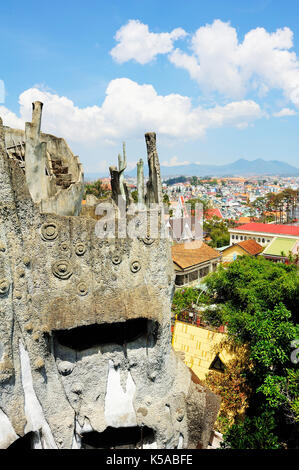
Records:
x=262, y=233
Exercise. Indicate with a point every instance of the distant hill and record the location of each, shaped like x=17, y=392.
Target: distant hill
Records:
x=241, y=167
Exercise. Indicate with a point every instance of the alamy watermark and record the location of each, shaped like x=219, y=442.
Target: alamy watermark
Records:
x=148, y=222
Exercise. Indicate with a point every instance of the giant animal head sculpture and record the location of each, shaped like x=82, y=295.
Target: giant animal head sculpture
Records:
x=85, y=337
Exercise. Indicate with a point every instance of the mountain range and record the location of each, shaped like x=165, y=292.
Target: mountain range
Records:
x=241, y=167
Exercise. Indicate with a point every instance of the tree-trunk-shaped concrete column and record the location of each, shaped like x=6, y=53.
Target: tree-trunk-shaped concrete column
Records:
x=140, y=184
x=154, y=187
x=35, y=160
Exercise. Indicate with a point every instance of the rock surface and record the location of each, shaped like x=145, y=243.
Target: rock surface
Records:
x=85, y=337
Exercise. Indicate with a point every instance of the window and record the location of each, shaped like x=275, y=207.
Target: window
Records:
x=268, y=241
x=263, y=240
x=193, y=276
x=241, y=237
x=259, y=240
x=204, y=271
x=233, y=237
x=179, y=280
x=237, y=238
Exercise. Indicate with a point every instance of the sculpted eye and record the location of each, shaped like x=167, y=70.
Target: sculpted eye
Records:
x=25, y=442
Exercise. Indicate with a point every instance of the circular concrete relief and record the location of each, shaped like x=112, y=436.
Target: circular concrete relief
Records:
x=64, y=246
x=4, y=286
x=49, y=231
x=116, y=259
x=80, y=249
x=82, y=288
x=135, y=266
x=148, y=240
x=62, y=269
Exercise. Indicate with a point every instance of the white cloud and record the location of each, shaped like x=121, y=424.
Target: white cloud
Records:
x=129, y=110
x=285, y=112
x=174, y=161
x=135, y=41
x=263, y=61
x=10, y=119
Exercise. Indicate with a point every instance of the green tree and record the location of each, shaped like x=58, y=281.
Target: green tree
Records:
x=184, y=298
x=260, y=205
x=194, y=181
x=206, y=204
x=175, y=180
x=257, y=432
x=134, y=195
x=232, y=387
x=96, y=189
x=217, y=229
x=258, y=301
x=166, y=199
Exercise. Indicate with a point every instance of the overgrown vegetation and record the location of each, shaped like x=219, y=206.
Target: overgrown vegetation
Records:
x=177, y=179
x=96, y=189
x=274, y=206
x=258, y=302
x=217, y=229
x=183, y=299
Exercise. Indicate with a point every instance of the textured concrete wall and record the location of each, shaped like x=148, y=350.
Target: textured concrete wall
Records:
x=57, y=275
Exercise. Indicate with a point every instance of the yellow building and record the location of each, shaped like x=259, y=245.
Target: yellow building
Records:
x=246, y=247
x=201, y=347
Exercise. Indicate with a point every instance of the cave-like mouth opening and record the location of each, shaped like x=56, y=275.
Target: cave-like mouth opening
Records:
x=84, y=337
x=23, y=443
x=135, y=437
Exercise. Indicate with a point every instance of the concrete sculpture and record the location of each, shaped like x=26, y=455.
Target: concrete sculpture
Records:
x=85, y=341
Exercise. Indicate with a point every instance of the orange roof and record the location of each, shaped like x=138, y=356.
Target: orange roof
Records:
x=251, y=246
x=244, y=220
x=189, y=254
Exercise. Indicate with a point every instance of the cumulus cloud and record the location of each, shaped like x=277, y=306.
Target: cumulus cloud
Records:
x=174, y=161
x=136, y=42
x=220, y=62
x=128, y=110
x=285, y=112
x=10, y=119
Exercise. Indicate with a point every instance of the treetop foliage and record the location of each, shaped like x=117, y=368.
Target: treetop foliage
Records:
x=258, y=302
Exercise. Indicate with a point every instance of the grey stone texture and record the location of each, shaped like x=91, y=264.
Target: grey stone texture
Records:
x=57, y=277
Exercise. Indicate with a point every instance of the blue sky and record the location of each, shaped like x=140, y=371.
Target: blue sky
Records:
x=216, y=80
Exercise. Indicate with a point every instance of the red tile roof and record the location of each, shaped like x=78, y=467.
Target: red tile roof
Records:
x=210, y=213
x=189, y=254
x=270, y=228
x=251, y=246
